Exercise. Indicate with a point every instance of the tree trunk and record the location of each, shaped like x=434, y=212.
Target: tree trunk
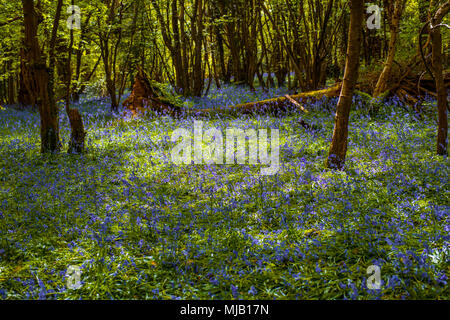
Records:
x=111, y=87
x=395, y=17
x=198, y=79
x=11, y=88
x=441, y=90
x=36, y=78
x=108, y=51
x=338, y=148
x=77, y=135
x=79, y=54
x=24, y=96
x=179, y=59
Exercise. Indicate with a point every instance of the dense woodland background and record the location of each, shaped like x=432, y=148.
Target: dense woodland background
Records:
x=186, y=42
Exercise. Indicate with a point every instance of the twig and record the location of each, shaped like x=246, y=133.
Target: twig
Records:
x=296, y=103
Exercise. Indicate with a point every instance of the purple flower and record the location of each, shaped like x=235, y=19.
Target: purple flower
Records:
x=252, y=291
x=214, y=281
x=442, y=279
x=234, y=291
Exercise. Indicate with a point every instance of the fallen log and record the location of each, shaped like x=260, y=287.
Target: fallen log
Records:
x=274, y=105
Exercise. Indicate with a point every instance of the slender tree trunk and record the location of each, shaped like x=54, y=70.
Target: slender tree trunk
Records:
x=425, y=9
x=77, y=135
x=198, y=79
x=11, y=88
x=395, y=17
x=338, y=148
x=3, y=88
x=179, y=60
x=79, y=54
x=111, y=87
x=224, y=75
x=442, y=103
x=108, y=51
x=36, y=77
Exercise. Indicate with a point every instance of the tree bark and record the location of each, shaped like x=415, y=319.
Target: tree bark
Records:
x=36, y=78
x=77, y=133
x=11, y=87
x=198, y=79
x=441, y=90
x=395, y=17
x=24, y=96
x=338, y=148
x=109, y=53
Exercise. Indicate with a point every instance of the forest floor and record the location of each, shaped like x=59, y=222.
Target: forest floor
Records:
x=141, y=227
